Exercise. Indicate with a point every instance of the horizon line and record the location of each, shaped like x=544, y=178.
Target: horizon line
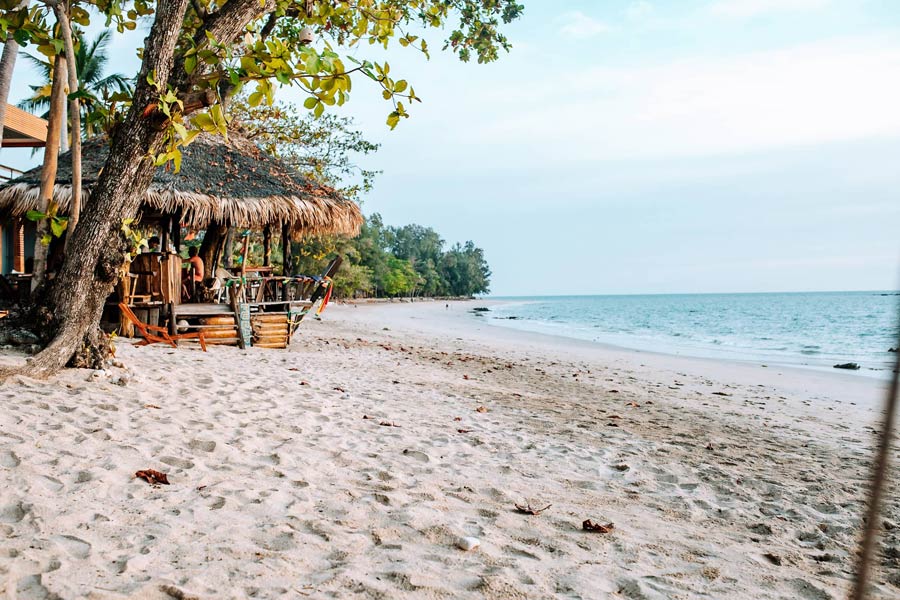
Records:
x=588, y=295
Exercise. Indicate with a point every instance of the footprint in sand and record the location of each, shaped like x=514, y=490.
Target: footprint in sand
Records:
x=420, y=456
x=203, y=445
x=13, y=513
x=51, y=483
x=75, y=547
x=9, y=459
x=177, y=462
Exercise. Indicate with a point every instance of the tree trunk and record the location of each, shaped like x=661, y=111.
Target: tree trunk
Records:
x=74, y=118
x=74, y=300
x=209, y=248
x=64, y=116
x=7, y=64
x=228, y=260
x=48, y=173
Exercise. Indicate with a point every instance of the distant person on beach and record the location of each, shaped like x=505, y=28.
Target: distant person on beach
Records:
x=153, y=244
x=447, y=306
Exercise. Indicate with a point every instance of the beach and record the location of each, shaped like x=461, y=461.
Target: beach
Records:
x=357, y=463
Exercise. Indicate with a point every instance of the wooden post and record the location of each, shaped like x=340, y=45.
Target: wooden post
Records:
x=165, y=227
x=176, y=233
x=287, y=260
x=267, y=245
x=19, y=246
x=244, y=252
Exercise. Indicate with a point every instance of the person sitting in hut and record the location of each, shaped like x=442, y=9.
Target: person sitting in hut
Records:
x=193, y=274
x=153, y=244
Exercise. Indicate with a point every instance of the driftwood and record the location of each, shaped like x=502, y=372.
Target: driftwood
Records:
x=529, y=510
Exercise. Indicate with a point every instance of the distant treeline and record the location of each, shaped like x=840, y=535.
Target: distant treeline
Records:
x=397, y=261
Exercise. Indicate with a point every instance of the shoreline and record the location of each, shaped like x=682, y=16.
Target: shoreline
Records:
x=353, y=463
x=688, y=351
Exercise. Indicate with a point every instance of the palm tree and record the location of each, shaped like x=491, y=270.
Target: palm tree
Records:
x=91, y=59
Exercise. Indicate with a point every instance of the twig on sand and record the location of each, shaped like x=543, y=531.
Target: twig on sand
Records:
x=528, y=510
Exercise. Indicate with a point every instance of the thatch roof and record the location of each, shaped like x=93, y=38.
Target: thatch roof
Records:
x=233, y=183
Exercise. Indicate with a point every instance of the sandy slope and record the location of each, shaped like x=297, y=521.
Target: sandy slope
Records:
x=722, y=480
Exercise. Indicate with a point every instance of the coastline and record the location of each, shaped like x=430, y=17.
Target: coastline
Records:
x=353, y=463
x=581, y=317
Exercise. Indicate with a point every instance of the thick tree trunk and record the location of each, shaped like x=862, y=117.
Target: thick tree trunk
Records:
x=48, y=172
x=74, y=118
x=7, y=65
x=74, y=300
x=209, y=248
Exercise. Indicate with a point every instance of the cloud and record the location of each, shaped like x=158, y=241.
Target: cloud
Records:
x=805, y=95
x=577, y=25
x=639, y=10
x=748, y=9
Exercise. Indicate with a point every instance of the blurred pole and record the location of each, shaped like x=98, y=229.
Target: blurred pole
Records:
x=879, y=479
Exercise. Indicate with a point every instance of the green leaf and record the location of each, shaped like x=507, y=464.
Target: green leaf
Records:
x=58, y=226
x=190, y=63
x=310, y=103
x=320, y=108
x=35, y=215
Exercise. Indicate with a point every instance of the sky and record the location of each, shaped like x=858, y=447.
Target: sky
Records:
x=651, y=146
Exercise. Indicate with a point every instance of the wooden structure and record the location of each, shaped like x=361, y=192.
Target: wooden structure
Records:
x=222, y=186
x=152, y=334
x=20, y=130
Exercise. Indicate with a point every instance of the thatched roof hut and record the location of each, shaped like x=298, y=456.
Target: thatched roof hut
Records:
x=231, y=183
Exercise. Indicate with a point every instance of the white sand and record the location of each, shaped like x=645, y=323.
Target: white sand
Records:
x=284, y=490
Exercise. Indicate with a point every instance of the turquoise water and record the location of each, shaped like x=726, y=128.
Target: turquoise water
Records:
x=802, y=329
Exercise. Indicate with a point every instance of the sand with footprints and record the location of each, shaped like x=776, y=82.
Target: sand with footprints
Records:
x=351, y=465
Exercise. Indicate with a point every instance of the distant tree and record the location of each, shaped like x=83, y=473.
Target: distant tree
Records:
x=466, y=271
x=323, y=149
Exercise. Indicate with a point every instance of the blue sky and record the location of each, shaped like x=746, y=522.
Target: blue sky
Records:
x=645, y=146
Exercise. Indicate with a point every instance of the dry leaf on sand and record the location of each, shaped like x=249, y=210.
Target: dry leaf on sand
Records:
x=589, y=525
x=152, y=477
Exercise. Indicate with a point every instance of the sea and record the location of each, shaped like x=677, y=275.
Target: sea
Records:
x=815, y=330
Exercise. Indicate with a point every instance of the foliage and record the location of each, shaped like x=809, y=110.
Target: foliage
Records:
x=321, y=149
x=96, y=89
x=223, y=47
x=397, y=261
x=57, y=223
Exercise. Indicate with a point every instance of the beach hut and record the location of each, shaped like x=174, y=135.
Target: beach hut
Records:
x=222, y=185
x=20, y=130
